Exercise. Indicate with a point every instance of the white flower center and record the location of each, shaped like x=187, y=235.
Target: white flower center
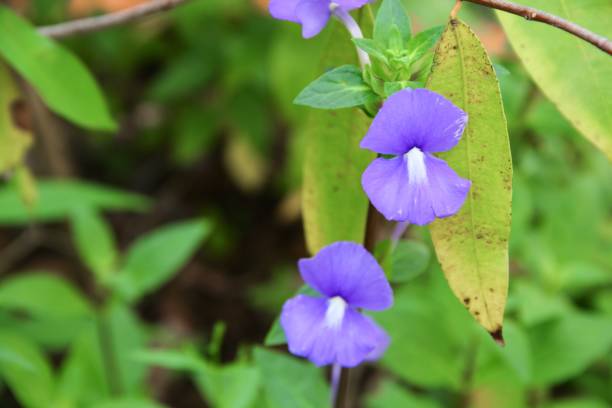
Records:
x=336, y=307
x=415, y=162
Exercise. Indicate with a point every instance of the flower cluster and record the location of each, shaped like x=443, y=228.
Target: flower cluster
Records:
x=407, y=184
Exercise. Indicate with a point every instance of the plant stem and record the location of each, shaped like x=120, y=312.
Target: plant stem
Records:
x=533, y=14
x=91, y=24
x=342, y=395
x=336, y=373
x=398, y=232
x=353, y=28
x=111, y=369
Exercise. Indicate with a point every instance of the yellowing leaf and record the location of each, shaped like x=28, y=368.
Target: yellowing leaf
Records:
x=14, y=141
x=472, y=246
x=573, y=74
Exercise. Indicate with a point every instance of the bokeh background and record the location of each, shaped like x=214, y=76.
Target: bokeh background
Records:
x=208, y=132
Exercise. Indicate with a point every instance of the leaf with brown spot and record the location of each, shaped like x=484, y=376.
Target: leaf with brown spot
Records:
x=472, y=246
x=14, y=139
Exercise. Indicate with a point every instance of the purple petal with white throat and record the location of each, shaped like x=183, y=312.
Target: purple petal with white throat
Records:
x=416, y=187
x=346, y=269
x=330, y=333
x=313, y=15
x=415, y=118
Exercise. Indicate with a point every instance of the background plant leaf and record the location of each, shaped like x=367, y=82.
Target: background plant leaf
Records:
x=60, y=78
x=95, y=242
x=156, y=257
x=334, y=205
x=57, y=199
x=573, y=74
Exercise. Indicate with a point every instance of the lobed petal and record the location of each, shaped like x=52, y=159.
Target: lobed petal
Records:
x=439, y=192
x=347, y=270
x=358, y=338
x=351, y=4
x=415, y=118
x=284, y=9
x=313, y=15
x=448, y=191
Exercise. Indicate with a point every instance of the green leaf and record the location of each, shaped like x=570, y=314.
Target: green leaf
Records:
x=404, y=261
x=334, y=205
x=60, y=78
x=32, y=384
x=423, y=41
x=15, y=141
x=587, y=402
x=372, y=48
x=43, y=295
x=342, y=87
x=536, y=305
x=289, y=382
x=156, y=257
x=59, y=198
x=572, y=73
x=391, y=394
x=391, y=13
x=82, y=379
x=564, y=348
x=128, y=402
x=472, y=246
x=231, y=386
x=408, y=260
x=100, y=363
x=430, y=329
x=95, y=242
x=184, y=360
x=393, y=87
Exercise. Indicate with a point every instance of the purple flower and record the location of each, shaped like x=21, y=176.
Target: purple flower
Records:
x=331, y=329
x=415, y=186
x=311, y=14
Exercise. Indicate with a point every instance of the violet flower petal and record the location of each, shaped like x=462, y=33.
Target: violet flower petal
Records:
x=416, y=187
x=355, y=339
x=415, y=118
x=448, y=191
x=347, y=270
x=313, y=15
x=284, y=9
x=349, y=5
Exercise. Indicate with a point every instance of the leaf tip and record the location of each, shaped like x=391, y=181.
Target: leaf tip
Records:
x=498, y=336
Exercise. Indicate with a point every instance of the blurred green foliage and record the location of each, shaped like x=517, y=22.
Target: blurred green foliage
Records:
x=217, y=77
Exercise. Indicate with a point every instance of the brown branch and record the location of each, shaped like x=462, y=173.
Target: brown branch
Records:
x=87, y=25
x=529, y=13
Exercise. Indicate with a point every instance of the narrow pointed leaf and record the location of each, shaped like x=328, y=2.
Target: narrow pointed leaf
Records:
x=342, y=87
x=60, y=78
x=472, y=246
x=335, y=207
x=573, y=74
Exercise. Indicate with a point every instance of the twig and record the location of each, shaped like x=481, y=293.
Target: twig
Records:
x=530, y=13
x=456, y=9
x=87, y=25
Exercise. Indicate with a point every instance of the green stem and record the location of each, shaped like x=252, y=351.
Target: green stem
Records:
x=111, y=370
